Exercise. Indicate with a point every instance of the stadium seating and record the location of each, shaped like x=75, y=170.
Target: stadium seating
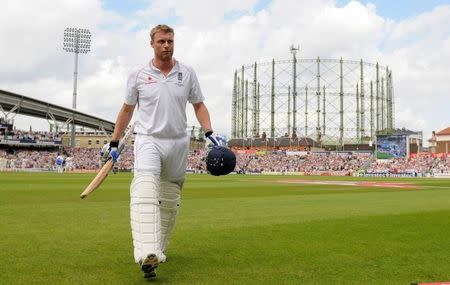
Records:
x=249, y=160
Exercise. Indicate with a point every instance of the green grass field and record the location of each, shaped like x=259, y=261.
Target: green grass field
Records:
x=230, y=230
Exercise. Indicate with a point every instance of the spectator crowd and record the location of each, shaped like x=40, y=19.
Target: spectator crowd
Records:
x=75, y=159
x=34, y=137
x=422, y=165
x=333, y=163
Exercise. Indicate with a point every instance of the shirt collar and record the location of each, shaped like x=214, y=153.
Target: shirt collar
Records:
x=175, y=68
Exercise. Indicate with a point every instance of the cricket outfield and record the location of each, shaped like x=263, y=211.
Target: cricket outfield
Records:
x=231, y=230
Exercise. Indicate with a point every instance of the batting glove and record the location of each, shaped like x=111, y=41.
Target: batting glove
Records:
x=110, y=150
x=216, y=140
x=114, y=150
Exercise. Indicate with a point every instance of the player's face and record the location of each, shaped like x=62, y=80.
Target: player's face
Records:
x=162, y=45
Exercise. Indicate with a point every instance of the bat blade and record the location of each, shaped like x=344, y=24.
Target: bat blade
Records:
x=104, y=171
x=101, y=175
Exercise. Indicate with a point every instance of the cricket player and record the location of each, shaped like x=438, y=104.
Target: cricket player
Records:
x=59, y=163
x=69, y=164
x=159, y=92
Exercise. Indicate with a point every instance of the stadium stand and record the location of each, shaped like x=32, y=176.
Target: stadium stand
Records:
x=11, y=102
x=289, y=154
x=248, y=162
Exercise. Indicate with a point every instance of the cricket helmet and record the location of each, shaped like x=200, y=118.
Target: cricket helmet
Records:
x=220, y=161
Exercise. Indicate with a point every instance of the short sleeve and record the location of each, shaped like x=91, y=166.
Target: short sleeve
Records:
x=131, y=95
x=195, y=93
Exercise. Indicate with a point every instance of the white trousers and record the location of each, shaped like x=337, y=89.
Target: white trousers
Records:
x=159, y=172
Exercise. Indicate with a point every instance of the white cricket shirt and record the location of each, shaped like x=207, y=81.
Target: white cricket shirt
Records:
x=161, y=101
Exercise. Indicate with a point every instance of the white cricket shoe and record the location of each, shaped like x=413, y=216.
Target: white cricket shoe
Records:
x=163, y=258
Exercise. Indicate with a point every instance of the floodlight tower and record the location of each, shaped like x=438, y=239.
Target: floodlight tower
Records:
x=76, y=41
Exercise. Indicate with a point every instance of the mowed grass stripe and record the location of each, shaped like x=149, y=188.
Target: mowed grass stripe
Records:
x=390, y=249
x=229, y=232
x=243, y=211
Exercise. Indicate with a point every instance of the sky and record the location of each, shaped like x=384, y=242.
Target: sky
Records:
x=215, y=38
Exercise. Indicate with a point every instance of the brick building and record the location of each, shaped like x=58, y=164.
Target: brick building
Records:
x=440, y=141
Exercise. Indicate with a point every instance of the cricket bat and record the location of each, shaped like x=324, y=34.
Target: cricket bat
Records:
x=104, y=171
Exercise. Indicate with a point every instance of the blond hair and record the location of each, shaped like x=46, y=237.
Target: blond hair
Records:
x=160, y=28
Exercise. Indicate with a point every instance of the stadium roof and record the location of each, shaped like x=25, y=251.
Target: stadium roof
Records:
x=404, y=131
x=444, y=132
x=20, y=104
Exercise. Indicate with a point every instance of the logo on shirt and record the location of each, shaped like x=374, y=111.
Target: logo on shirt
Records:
x=180, y=79
x=150, y=80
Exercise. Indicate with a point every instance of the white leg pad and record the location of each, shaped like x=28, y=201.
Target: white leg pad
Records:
x=145, y=215
x=170, y=202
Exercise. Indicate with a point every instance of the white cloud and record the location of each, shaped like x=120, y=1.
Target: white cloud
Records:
x=200, y=14
x=409, y=118
x=34, y=64
x=32, y=33
x=433, y=22
x=418, y=51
